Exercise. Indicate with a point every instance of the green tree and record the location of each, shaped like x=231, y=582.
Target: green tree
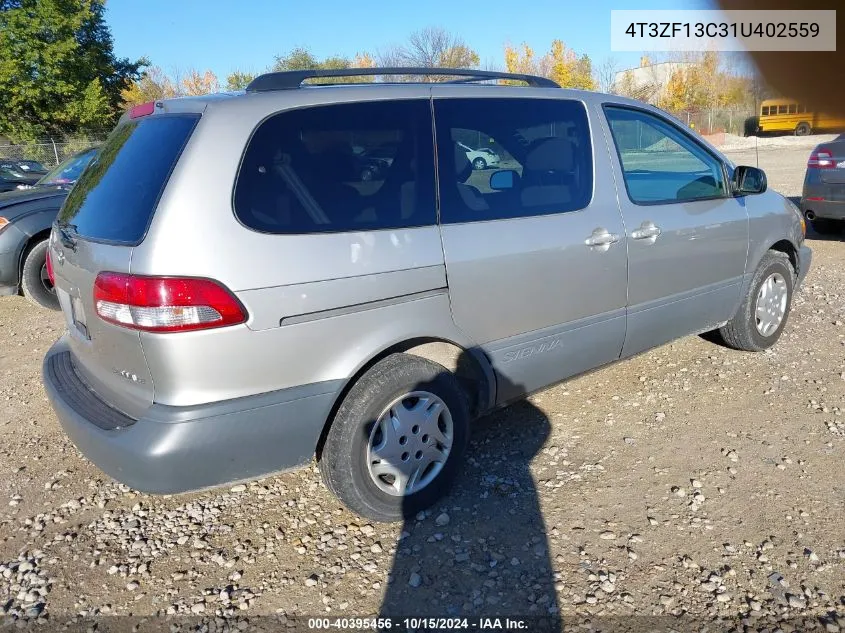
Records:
x=238, y=80
x=301, y=58
x=58, y=71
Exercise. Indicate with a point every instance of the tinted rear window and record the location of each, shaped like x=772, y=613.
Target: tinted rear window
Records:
x=116, y=195
x=341, y=167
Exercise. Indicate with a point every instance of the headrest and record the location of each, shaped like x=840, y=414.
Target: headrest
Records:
x=551, y=154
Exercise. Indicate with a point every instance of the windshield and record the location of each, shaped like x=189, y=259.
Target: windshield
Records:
x=8, y=174
x=69, y=170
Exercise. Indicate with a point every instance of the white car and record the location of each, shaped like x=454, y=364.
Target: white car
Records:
x=480, y=158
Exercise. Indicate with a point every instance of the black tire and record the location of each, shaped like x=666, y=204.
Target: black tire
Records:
x=479, y=164
x=824, y=226
x=803, y=129
x=741, y=332
x=35, y=284
x=343, y=463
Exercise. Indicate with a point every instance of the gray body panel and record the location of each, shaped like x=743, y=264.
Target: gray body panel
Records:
x=530, y=300
x=175, y=449
x=531, y=293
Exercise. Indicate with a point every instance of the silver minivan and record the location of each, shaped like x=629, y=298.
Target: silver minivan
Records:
x=253, y=279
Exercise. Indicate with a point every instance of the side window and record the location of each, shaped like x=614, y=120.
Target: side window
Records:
x=793, y=108
x=765, y=111
x=512, y=158
x=660, y=163
x=343, y=167
x=782, y=109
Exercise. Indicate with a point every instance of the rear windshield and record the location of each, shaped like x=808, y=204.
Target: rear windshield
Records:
x=116, y=196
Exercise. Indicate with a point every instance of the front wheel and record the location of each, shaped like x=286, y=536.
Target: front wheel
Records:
x=398, y=439
x=35, y=281
x=765, y=309
x=479, y=164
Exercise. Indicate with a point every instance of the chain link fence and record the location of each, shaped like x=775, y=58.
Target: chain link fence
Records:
x=713, y=121
x=47, y=152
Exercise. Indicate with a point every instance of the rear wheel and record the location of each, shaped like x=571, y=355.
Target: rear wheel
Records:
x=802, y=129
x=35, y=282
x=398, y=439
x=763, y=314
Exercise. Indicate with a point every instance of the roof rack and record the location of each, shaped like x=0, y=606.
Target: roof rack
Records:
x=290, y=79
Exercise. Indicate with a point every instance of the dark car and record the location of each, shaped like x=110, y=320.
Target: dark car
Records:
x=29, y=167
x=26, y=216
x=11, y=179
x=823, y=198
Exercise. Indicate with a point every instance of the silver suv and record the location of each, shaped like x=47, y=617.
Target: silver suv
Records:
x=239, y=297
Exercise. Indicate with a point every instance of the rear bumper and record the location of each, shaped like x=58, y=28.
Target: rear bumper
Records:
x=805, y=261
x=178, y=449
x=824, y=209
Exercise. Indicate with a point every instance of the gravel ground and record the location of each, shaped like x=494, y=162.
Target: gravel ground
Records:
x=691, y=481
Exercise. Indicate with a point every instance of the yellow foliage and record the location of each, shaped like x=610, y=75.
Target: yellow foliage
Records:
x=194, y=83
x=152, y=86
x=363, y=60
x=560, y=64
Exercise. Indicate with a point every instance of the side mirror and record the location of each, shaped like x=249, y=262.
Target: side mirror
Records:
x=502, y=180
x=748, y=180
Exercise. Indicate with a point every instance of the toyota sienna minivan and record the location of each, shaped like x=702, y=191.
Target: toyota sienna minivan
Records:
x=238, y=301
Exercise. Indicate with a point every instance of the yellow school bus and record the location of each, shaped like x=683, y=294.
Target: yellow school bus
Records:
x=788, y=115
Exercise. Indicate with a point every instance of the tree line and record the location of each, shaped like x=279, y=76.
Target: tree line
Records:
x=59, y=75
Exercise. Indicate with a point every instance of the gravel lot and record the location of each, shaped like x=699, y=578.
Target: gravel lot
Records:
x=691, y=481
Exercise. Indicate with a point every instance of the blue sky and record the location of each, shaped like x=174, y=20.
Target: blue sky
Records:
x=223, y=36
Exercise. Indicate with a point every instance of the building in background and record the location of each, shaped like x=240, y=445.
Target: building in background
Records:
x=648, y=82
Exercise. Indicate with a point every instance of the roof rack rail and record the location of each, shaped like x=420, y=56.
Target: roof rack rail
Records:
x=291, y=79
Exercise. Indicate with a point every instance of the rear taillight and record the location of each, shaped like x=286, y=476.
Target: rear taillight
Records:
x=50, y=268
x=821, y=159
x=165, y=304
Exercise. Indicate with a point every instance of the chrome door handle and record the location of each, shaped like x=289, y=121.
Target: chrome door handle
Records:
x=601, y=239
x=647, y=231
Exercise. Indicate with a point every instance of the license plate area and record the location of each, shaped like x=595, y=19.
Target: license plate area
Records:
x=78, y=316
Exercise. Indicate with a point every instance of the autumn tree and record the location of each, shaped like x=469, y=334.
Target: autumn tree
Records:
x=701, y=81
x=561, y=64
x=58, y=71
x=195, y=83
x=153, y=85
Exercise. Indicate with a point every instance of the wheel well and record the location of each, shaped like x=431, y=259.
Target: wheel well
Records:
x=786, y=247
x=30, y=244
x=453, y=357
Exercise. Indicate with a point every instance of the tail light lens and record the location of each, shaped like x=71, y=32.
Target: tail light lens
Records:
x=50, y=273
x=144, y=109
x=165, y=304
x=821, y=159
